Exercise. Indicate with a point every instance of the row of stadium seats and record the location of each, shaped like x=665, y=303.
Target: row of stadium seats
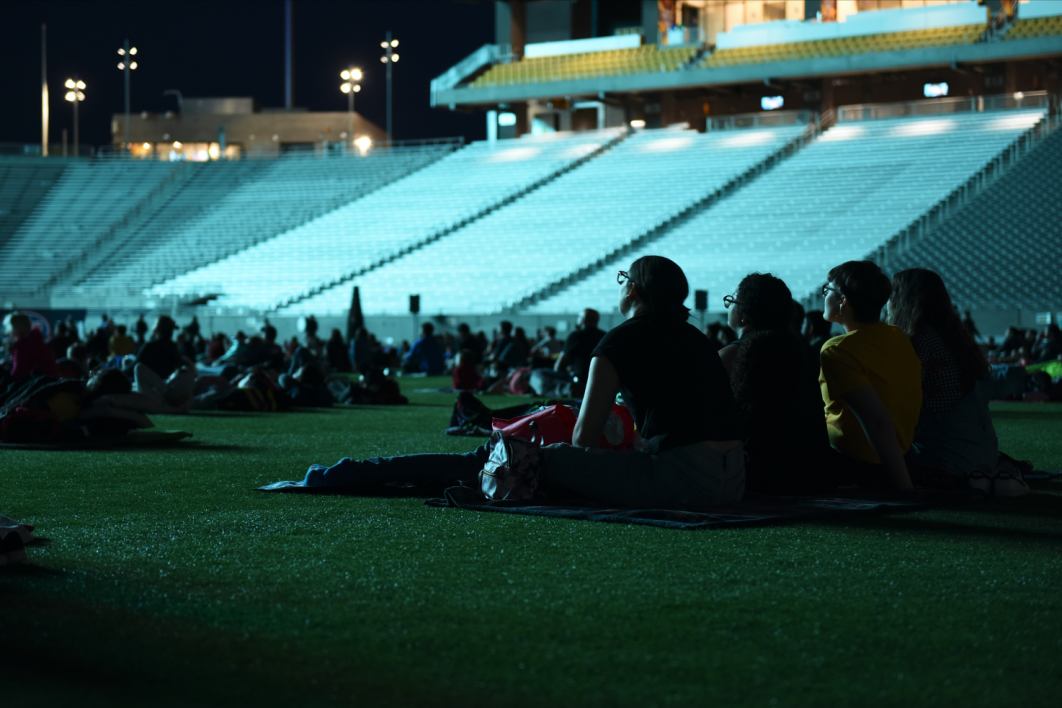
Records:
x=892, y=41
x=232, y=206
x=88, y=199
x=574, y=220
x=835, y=200
x=617, y=62
x=407, y=212
x=1002, y=249
x=1036, y=27
x=23, y=184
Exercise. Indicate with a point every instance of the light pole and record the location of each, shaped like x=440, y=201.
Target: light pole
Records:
x=389, y=58
x=75, y=96
x=127, y=65
x=351, y=76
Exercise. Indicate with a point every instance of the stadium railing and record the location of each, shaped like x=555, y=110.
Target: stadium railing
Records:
x=760, y=120
x=944, y=106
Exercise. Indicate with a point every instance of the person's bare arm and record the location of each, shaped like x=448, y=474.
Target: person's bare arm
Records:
x=880, y=432
x=601, y=388
x=727, y=354
x=562, y=362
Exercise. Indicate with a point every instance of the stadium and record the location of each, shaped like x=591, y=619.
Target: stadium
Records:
x=781, y=137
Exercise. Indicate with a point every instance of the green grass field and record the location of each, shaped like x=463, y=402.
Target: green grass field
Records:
x=169, y=581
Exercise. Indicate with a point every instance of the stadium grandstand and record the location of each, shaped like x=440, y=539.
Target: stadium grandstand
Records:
x=785, y=137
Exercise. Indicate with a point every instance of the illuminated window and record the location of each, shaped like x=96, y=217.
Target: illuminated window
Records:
x=771, y=103
x=935, y=90
x=506, y=119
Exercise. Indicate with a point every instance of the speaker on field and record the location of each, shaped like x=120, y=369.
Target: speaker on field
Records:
x=700, y=300
x=414, y=304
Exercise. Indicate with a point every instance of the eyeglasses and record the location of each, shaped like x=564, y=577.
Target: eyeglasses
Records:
x=826, y=290
x=622, y=277
x=729, y=300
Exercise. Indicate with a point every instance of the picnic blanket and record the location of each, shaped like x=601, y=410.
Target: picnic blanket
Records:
x=136, y=438
x=753, y=510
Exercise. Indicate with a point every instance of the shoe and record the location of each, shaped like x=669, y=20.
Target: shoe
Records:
x=981, y=481
x=12, y=550
x=1009, y=483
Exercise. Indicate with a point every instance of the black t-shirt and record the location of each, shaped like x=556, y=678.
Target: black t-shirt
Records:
x=579, y=348
x=672, y=381
x=161, y=356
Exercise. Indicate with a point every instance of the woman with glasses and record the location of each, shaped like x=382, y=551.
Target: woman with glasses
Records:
x=678, y=394
x=786, y=442
x=870, y=380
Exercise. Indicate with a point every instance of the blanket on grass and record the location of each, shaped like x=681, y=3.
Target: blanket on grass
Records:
x=753, y=510
x=139, y=438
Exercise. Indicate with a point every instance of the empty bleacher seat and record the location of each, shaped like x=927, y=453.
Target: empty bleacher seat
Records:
x=1035, y=27
x=230, y=206
x=570, y=222
x=616, y=62
x=837, y=199
x=887, y=42
x=380, y=225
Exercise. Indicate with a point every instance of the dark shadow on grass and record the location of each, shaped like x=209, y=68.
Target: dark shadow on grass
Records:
x=1033, y=414
x=27, y=569
x=903, y=522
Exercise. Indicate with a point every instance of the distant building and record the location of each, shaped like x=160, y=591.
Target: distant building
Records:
x=230, y=128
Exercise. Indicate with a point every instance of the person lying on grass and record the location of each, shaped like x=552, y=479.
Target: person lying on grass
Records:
x=955, y=435
x=870, y=380
x=678, y=393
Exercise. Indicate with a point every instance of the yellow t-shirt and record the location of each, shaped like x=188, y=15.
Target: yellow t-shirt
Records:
x=881, y=356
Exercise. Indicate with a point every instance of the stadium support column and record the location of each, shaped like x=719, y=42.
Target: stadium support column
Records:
x=44, y=90
x=650, y=18
x=517, y=27
x=827, y=100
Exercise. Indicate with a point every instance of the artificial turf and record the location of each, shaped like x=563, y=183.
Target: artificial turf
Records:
x=169, y=581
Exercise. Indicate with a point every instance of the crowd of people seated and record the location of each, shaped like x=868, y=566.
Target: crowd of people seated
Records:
x=777, y=400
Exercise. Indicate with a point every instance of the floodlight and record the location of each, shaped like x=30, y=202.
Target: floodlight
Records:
x=69, y=83
x=356, y=74
x=383, y=59
x=394, y=42
x=345, y=88
x=357, y=87
x=394, y=57
x=133, y=65
x=121, y=52
x=81, y=84
x=637, y=123
x=121, y=65
x=383, y=44
x=344, y=74
x=70, y=95
x=133, y=50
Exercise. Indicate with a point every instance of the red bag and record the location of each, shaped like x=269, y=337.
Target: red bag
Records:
x=557, y=424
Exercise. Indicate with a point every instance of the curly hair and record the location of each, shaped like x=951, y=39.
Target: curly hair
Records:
x=765, y=302
x=919, y=300
x=864, y=286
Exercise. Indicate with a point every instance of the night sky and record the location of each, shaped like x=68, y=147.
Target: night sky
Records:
x=207, y=49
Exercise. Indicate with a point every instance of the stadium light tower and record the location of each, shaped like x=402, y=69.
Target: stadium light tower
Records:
x=389, y=58
x=351, y=76
x=127, y=65
x=75, y=96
